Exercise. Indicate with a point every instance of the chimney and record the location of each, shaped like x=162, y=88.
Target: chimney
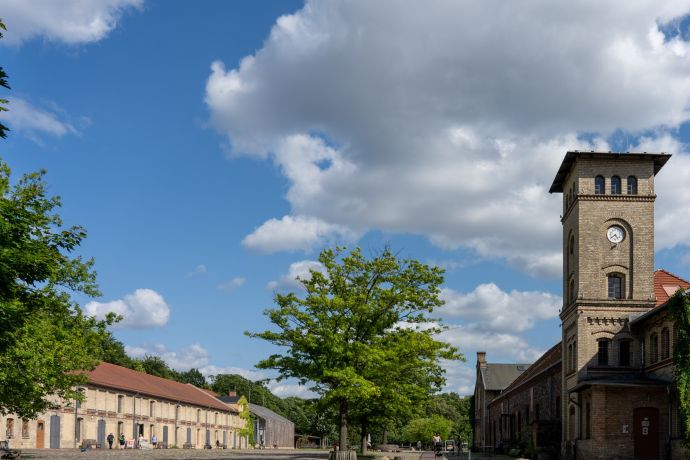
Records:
x=481, y=359
x=232, y=393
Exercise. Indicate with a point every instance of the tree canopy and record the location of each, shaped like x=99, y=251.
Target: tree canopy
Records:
x=362, y=324
x=44, y=336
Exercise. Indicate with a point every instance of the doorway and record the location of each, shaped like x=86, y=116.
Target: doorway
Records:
x=646, y=432
x=40, y=434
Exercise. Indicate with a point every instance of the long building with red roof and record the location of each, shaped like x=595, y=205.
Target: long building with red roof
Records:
x=139, y=407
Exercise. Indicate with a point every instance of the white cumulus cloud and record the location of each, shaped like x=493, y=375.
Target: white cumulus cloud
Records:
x=498, y=310
x=141, y=309
x=68, y=21
x=193, y=356
x=501, y=346
x=292, y=233
x=232, y=284
x=447, y=120
x=33, y=121
x=298, y=270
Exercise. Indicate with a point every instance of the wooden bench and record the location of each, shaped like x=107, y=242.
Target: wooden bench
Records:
x=188, y=445
x=6, y=452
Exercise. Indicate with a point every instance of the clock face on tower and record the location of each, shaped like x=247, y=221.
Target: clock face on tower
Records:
x=615, y=234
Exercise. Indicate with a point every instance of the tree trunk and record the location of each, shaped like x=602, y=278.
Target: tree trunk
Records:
x=385, y=437
x=343, y=426
x=363, y=435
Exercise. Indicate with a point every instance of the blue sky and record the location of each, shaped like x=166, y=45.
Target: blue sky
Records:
x=212, y=149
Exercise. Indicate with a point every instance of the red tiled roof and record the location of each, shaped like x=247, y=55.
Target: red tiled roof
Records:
x=666, y=284
x=122, y=378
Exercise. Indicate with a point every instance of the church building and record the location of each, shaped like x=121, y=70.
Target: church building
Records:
x=607, y=389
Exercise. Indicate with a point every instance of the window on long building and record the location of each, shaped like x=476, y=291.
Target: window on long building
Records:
x=654, y=348
x=9, y=428
x=665, y=344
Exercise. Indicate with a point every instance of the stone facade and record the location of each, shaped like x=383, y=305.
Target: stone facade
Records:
x=617, y=395
x=191, y=418
x=528, y=410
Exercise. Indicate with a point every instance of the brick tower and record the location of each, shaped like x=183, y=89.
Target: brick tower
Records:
x=608, y=273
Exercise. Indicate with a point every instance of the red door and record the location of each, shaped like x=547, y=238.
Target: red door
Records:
x=646, y=432
x=40, y=434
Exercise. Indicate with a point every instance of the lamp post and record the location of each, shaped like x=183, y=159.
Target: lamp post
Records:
x=207, y=441
x=177, y=410
x=134, y=418
x=77, y=404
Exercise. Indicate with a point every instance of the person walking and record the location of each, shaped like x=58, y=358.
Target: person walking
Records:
x=154, y=441
x=122, y=440
x=110, y=439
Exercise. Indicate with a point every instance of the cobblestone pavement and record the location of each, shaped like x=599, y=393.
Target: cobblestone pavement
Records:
x=183, y=454
x=172, y=454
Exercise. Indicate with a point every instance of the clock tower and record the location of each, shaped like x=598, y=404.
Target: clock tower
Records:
x=608, y=271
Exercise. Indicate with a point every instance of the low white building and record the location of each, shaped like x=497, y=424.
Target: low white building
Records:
x=125, y=402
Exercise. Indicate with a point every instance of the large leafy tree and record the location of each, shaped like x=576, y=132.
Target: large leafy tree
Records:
x=44, y=336
x=404, y=380
x=339, y=334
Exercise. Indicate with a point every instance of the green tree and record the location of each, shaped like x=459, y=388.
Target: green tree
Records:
x=154, y=365
x=405, y=381
x=679, y=307
x=455, y=408
x=246, y=415
x=338, y=333
x=113, y=351
x=44, y=336
x=193, y=376
x=423, y=429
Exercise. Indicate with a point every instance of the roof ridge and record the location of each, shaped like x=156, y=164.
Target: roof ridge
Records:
x=673, y=275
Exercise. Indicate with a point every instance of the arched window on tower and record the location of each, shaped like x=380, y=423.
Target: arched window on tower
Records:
x=572, y=290
x=615, y=185
x=632, y=185
x=599, y=185
x=615, y=286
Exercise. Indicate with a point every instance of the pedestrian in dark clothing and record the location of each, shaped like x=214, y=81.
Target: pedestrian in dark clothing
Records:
x=110, y=439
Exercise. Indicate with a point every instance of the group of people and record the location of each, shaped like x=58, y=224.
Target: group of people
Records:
x=122, y=441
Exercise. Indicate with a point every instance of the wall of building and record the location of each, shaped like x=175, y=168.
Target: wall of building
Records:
x=528, y=413
x=107, y=411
